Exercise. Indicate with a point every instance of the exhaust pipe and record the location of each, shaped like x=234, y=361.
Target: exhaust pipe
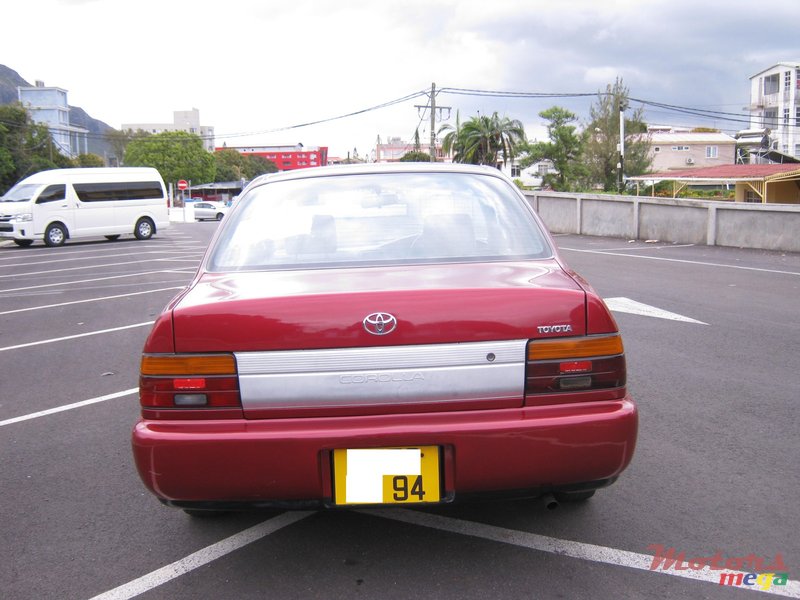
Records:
x=549, y=501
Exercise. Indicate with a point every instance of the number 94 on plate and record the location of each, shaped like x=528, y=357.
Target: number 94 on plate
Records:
x=386, y=475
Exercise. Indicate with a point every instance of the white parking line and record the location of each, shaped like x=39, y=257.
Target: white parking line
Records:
x=688, y=262
x=202, y=557
x=77, y=251
x=648, y=247
x=533, y=541
x=626, y=305
x=94, y=256
x=58, y=409
x=19, y=310
x=73, y=337
x=591, y=552
x=95, y=279
x=96, y=266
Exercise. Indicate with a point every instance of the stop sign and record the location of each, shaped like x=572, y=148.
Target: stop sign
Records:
x=183, y=184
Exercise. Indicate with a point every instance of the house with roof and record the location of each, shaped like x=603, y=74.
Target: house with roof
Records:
x=673, y=148
x=762, y=183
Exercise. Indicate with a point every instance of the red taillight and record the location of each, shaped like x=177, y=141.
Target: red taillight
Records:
x=573, y=365
x=190, y=384
x=189, y=381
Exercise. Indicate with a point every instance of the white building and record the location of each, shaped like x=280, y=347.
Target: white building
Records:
x=775, y=105
x=529, y=177
x=48, y=106
x=183, y=120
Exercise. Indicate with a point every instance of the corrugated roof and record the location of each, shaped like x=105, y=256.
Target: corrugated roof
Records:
x=727, y=172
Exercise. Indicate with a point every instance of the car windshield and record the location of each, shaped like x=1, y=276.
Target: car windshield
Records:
x=22, y=192
x=370, y=219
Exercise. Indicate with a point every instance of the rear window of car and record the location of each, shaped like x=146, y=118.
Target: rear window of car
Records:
x=367, y=219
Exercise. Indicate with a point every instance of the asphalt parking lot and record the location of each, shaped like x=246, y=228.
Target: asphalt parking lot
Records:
x=711, y=337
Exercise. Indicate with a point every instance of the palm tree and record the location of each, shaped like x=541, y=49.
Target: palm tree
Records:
x=450, y=139
x=484, y=140
x=509, y=133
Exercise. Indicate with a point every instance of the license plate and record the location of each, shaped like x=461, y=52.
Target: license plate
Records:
x=386, y=475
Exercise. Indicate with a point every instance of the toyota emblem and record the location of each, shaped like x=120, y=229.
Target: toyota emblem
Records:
x=380, y=323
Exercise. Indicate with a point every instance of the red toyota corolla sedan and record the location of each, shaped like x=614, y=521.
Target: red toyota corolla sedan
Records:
x=382, y=334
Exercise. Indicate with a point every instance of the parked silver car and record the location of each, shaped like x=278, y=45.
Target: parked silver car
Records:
x=209, y=210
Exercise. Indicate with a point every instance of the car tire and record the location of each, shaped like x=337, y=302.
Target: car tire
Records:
x=112, y=238
x=55, y=235
x=23, y=243
x=581, y=496
x=144, y=229
x=219, y=216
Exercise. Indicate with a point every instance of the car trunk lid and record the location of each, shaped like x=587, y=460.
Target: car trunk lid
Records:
x=453, y=336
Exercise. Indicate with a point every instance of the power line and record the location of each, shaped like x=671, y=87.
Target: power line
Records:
x=708, y=114
x=277, y=129
x=687, y=110
x=500, y=94
x=703, y=113
x=330, y=119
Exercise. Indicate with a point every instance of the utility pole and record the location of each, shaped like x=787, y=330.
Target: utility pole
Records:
x=433, y=122
x=621, y=147
x=433, y=109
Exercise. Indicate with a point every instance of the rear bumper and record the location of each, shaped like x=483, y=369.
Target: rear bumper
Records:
x=287, y=462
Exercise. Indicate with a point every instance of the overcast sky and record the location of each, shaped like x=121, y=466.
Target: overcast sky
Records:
x=259, y=67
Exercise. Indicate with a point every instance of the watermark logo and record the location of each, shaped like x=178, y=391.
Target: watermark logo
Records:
x=751, y=570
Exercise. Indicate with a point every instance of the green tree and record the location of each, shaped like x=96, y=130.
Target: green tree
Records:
x=601, y=139
x=233, y=166
x=229, y=165
x=451, y=133
x=88, y=160
x=415, y=156
x=176, y=154
x=564, y=150
x=119, y=140
x=258, y=165
x=484, y=140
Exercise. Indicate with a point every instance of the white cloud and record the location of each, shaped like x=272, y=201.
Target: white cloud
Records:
x=252, y=66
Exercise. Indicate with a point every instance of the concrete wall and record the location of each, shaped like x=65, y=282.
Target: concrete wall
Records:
x=767, y=226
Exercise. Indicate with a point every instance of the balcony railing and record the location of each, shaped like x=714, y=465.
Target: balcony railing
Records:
x=769, y=99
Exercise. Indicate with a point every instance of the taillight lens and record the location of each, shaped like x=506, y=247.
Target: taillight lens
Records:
x=189, y=381
x=570, y=365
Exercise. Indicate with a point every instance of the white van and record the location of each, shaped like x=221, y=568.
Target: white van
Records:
x=76, y=203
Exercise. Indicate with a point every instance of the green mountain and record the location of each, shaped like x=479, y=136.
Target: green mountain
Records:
x=10, y=80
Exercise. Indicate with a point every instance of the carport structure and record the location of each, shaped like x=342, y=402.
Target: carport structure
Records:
x=768, y=183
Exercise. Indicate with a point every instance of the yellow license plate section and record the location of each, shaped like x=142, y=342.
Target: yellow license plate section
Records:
x=386, y=475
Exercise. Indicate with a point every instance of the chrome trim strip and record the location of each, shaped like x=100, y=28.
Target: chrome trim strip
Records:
x=381, y=357
x=388, y=374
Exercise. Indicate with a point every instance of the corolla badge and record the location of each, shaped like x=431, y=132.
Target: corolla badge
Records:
x=380, y=323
